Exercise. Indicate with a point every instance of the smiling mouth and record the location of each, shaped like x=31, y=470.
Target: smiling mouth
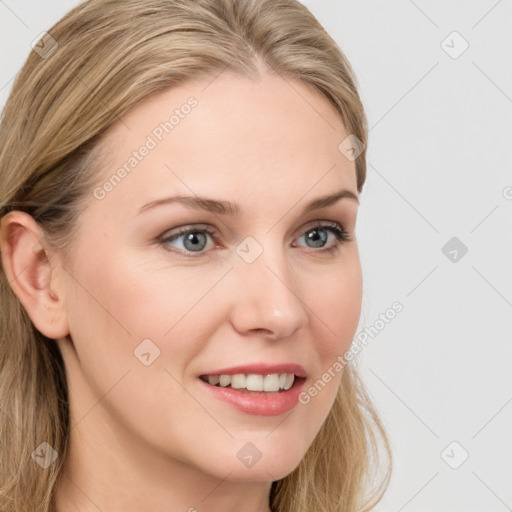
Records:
x=254, y=383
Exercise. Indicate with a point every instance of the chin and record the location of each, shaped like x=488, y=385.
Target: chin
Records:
x=277, y=464
x=272, y=464
x=262, y=472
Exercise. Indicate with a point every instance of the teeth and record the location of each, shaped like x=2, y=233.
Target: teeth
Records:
x=238, y=381
x=225, y=380
x=271, y=382
x=254, y=382
x=213, y=380
x=289, y=381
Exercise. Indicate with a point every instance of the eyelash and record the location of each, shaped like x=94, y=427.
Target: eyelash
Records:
x=341, y=234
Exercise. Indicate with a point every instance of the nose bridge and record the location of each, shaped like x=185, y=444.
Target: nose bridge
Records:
x=268, y=296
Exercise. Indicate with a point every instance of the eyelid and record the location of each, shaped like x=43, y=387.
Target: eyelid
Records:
x=319, y=223
x=212, y=230
x=342, y=234
x=174, y=233
x=185, y=229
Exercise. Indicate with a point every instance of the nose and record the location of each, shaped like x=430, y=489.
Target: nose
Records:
x=267, y=297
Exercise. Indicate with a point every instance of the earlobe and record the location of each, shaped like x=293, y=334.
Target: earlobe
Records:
x=32, y=272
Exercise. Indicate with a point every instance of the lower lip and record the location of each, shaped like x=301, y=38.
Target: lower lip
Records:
x=259, y=403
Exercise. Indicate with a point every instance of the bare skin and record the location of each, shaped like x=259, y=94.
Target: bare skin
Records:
x=149, y=437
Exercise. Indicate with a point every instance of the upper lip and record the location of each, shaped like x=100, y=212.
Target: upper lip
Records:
x=261, y=369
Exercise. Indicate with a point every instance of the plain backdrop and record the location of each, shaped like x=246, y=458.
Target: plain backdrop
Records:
x=434, y=232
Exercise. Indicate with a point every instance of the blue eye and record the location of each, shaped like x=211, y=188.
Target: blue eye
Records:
x=317, y=236
x=194, y=240
x=189, y=240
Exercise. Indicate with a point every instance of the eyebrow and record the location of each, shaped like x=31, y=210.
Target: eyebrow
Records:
x=232, y=209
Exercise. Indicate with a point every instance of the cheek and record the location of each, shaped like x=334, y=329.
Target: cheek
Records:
x=334, y=298
x=127, y=300
x=119, y=307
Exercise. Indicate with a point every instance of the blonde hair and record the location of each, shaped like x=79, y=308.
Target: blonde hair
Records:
x=103, y=58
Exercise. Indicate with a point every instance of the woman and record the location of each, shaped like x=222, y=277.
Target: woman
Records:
x=180, y=274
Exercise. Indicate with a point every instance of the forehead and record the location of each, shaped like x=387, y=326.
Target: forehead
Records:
x=232, y=135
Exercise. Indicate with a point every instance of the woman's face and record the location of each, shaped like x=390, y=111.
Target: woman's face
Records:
x=252, y=287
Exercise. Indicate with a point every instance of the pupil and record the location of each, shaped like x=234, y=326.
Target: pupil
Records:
x=195, y=241
x=318, y=237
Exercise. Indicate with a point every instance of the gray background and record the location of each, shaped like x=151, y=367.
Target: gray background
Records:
x=438, y=167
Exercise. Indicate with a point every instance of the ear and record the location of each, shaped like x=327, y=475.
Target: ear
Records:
x=32, y=271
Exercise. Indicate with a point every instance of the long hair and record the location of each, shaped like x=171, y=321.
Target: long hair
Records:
x=92, y=66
